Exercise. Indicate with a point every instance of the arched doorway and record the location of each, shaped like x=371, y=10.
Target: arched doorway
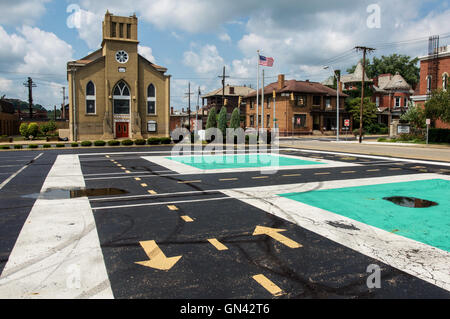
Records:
x=121, y=109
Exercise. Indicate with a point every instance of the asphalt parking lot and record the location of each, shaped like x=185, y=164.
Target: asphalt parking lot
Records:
x=170, y=235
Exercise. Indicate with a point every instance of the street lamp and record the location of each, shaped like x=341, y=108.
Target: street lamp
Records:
x=337, y=101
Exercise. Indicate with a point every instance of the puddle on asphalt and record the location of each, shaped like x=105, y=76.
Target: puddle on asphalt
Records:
x=411, y=202
x=56, y=193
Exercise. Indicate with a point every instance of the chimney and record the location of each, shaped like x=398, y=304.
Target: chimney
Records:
x=280, y=81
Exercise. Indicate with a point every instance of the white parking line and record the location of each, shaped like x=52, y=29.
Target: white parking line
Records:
x=57, y=254
x=18, y=172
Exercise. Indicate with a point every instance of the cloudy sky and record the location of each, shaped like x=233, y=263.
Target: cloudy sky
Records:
x=194, y=39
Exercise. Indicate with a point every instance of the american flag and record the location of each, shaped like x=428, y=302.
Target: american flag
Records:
x=265, y=61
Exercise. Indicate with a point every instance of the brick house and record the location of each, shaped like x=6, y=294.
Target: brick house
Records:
x=301, y=107
x=434, y=74
x=392, y=96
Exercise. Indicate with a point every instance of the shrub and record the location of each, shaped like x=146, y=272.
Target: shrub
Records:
x=439, y=135
x=113, y=143
x=86, y=143
x=33, y=146
x=18, y=147
x=60, y=145
x=4, y=147
x=33, y=129
x=99, y=143
x=74, y=144
x=139, y=142
x=165, y=140
x=127, y=142
x=153, y=141
x=23, y=129
x=382, y=139
x=46, y=146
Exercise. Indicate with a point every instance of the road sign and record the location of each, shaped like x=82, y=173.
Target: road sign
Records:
x=428, y=121
x=346, y=122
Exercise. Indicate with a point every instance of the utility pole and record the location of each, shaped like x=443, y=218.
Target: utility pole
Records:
x=223, y=76
x=189, y=93
x=196, y=113
x=364, y=49
x=30, y=85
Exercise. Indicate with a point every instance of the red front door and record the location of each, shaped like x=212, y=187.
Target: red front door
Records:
x=121, y=129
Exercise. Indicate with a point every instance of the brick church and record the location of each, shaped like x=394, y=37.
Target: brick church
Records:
x=116, y=93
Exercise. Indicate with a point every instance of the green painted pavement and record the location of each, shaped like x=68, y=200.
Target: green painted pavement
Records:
x=206, y=162
x=365, y=204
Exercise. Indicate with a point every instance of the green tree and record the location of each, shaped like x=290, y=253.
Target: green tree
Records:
x=403, y=64
x=235, y=121
x=416, y=117
x=212, y=118
x=438, y=106
x=222, y=120
x=369, y=111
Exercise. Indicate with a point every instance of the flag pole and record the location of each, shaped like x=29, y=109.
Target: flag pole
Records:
x=257, y=94
x=262, y=101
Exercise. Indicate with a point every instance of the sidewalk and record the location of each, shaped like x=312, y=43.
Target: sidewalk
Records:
x=405, y=150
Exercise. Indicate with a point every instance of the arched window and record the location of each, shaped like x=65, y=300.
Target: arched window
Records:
x=90, y=98
x=121, y=98
x=151, y=100
x=444, y=81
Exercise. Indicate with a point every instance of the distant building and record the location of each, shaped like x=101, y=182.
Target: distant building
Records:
x=9, y=121
x=392, y=96
x=232, y=95
x=301, y=107
x=350, y=81
x=434, y=74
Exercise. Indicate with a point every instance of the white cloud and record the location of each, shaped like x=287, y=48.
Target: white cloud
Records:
x=224, y=37
x=146, y=52
x=87, y=23
x=38, y=54
x=5, y=85
x=204, y=60
x=21, y=11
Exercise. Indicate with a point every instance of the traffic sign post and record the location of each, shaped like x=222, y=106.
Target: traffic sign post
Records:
x=428, y=127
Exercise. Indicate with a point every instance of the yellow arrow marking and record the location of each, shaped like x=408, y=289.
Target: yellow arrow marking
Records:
x=144, y=185
x=119, y=165
x=152, y=192
x=268, y=285
x=275, y=234
x=128, y=172
x=187, y=219
x=137, y=178
x=292, y=175
x=260, y=177
x=172, y=207
x=189, y=182
x=217, y=244
x=157, y=259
